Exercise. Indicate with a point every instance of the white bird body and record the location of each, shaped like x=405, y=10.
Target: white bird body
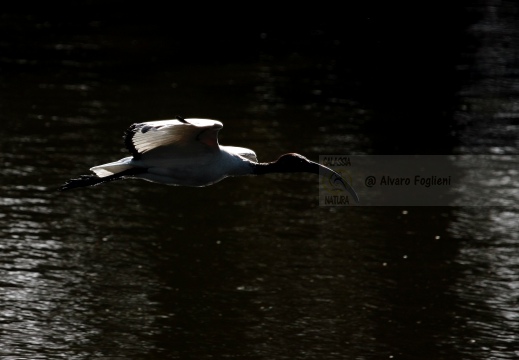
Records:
x=172, y=154
x=200, y=170
x=186, y=152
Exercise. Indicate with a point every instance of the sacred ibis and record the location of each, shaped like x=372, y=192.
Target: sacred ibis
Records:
x=186, y=152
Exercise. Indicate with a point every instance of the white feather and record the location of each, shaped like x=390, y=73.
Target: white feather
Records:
x=174, y=134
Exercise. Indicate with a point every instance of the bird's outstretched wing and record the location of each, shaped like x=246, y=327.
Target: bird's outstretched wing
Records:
x=171, y=135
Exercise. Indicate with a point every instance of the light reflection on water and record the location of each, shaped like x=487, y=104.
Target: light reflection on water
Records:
x=487, y=180
x=55, y=288
x=489, y=285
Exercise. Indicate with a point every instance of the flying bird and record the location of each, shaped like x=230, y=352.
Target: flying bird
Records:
x=186, y=152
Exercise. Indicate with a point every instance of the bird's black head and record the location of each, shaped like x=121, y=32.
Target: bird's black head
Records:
x=287, y=163
x=295, y=163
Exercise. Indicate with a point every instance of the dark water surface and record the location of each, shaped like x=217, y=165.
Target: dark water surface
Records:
x=254, y=268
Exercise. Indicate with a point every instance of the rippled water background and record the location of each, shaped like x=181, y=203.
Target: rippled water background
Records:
x=254, y=268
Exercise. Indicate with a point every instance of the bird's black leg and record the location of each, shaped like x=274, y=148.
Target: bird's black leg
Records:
x=93, y=180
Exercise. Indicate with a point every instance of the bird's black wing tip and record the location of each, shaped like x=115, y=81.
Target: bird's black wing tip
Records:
x=128, y=140
x=181, y=119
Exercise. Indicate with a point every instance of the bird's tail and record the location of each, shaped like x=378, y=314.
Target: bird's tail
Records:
x=92, y=180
